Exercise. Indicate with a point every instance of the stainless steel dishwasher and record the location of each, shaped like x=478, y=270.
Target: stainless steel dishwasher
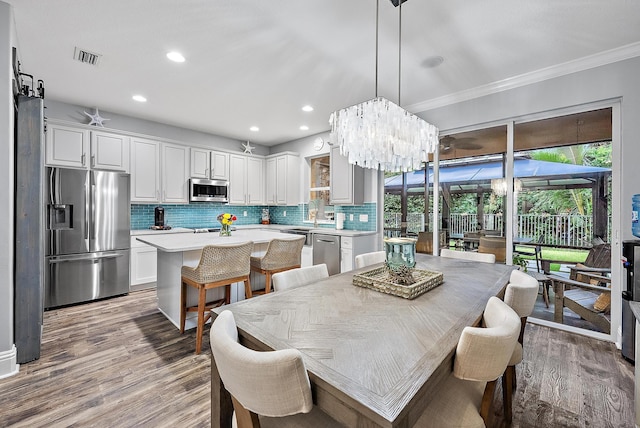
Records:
x=326, y=249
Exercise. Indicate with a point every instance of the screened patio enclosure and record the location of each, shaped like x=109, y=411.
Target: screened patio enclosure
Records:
x=474, y=176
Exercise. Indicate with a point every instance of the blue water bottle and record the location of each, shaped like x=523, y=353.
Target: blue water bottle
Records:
x=635, y=210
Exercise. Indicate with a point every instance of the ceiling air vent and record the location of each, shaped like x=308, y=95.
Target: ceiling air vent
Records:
x=86, y=56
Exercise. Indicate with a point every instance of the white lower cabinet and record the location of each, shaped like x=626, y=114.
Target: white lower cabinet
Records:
x=143, y=263
x=351, y=246
x=307, y=256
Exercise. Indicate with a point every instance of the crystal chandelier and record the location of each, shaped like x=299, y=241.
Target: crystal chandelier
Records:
x=499, y=186
x=380, y=134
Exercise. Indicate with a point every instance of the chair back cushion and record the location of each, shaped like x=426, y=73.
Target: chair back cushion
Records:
x=367, y=259
x=468, y=255
x=521, y=293
x=298, y=277
x=271, y=383
x=282, y=253
x=483, y=353
x=219, y=262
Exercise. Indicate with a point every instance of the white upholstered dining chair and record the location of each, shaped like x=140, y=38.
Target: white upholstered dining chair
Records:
x=367, y=259
x=268, y=389
x=468, y=255
x=465, y=397
x=521, y=295
x=298, y=277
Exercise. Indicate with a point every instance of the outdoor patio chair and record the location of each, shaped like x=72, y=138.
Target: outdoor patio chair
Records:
x=494, y=245
x=587, y=291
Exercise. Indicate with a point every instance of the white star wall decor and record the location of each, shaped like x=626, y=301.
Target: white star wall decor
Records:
x=96, y=119
x=248, y=148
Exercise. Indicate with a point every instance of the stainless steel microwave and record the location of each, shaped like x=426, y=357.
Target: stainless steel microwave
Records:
x=203, y=190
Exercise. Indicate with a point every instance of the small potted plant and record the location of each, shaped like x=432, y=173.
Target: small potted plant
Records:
x=520, y=261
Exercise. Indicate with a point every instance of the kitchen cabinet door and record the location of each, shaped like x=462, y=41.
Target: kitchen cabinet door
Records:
x=145, y=170
x=200, y=163
x=109, y=151
x=347, y=180
x=219, y=166
x=66, y=146
x=288, y=180
x=175, y=172
x=271, y=181
x=144, y=263
x=282, y=184
x=255, y=181
x=237, y=180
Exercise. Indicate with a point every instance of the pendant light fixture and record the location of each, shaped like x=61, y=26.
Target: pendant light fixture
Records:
x=380, y=134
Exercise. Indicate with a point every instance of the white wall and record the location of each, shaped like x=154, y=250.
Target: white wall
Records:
x=7, y=40
x=75, y=114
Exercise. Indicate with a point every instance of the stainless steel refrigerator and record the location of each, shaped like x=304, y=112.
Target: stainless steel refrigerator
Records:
x=87, y=237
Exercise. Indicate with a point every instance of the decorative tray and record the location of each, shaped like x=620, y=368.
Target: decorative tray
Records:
x=378, y=279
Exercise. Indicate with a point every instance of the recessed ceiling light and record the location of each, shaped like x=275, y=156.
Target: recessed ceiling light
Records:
x=307, y=108
x=175, y=56
x=304, y=128
x=254, y=129
x=432, y=61
x=139, y=98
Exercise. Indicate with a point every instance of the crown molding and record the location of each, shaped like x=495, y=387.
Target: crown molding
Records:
x=603, y=58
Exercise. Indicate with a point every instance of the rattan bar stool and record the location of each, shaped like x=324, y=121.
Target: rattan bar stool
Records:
x=219, y=266
x=281, y=255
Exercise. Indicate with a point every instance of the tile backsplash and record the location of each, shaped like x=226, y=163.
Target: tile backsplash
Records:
x=203, y=214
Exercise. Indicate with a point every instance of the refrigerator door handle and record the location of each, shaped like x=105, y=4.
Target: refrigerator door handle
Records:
x=93, y=209
x=100, y=256
x=87, y=204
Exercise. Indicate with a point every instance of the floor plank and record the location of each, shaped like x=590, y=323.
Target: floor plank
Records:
x=120, y=363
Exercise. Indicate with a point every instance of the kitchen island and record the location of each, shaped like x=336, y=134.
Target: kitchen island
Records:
x=176, y=250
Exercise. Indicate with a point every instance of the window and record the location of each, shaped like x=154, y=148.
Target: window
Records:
x=319, y=191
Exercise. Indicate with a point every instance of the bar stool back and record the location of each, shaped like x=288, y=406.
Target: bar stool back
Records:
x=281, y=255
x=219, y=266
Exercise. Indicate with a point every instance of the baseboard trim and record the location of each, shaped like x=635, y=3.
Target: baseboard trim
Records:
x=8, y=364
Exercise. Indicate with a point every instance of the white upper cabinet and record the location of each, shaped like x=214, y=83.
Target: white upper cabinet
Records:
x=271, y=181
x=175, y=173
x=66, y=146
x=246, y=180
x=200, y=163
x=347, y=180
x=159, y=172
x=282, y=179
x=209, y=164
x=255, y=181
x=237, y=180
x=109, y=151
x=219, y=166
x=145, y=170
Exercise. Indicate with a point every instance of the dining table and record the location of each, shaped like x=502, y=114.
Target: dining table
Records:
x=373, y=359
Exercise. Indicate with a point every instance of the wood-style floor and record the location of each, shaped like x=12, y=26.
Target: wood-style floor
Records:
x=120, y=363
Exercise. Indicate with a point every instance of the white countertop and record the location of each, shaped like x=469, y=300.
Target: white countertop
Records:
x=323, y=230
x=160, y=232
x=177, y=242
x=274, y=227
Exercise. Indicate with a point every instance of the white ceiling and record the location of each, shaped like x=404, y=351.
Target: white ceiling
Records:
x=257, y=62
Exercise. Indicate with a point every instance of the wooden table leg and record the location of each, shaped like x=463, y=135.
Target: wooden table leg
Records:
x=221, y=405
x=558, y=289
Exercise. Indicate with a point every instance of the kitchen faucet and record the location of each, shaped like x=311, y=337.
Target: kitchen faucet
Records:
x=315, y=217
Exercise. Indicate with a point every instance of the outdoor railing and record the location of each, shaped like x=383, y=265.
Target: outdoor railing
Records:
x=567, y=230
